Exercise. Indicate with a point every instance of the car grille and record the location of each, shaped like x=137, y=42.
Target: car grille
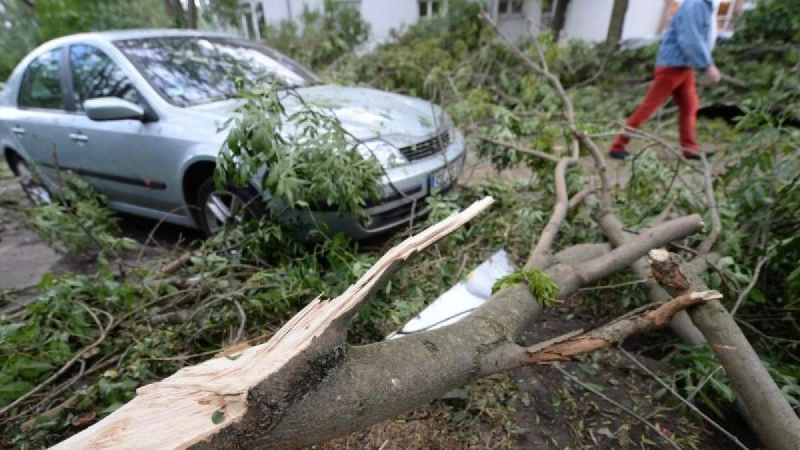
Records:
x=427, y=148
x=401, y=214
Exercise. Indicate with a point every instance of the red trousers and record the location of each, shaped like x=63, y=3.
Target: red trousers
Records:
x=678, y=82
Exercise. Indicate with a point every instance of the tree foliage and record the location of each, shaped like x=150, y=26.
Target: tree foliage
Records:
x=28, y=26
x=319, y=37
x=284, y=151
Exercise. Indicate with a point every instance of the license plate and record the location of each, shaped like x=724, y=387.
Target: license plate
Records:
x=444, y=177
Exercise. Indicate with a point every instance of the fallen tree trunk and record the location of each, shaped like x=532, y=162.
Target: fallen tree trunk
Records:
x=759, y=399
x=306, y=385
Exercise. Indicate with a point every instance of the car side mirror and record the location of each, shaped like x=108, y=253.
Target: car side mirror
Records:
x=112, y=108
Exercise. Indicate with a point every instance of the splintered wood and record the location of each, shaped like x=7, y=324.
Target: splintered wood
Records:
x=199, y=401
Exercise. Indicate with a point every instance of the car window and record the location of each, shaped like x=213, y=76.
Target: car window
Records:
x=41, y=84
x=193, y=70
x=95, y=75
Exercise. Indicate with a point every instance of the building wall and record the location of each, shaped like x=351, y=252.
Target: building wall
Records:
x=383, y=15
x=643, y=19
x=589, y=19
x=585, y=19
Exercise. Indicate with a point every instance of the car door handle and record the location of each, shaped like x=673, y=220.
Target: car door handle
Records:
x=19, y=131
x=79, y=137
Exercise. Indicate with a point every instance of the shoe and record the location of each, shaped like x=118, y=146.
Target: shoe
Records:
x=620, y=154
x=696, y=155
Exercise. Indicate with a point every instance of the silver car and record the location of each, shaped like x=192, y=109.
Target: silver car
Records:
x=137, y=115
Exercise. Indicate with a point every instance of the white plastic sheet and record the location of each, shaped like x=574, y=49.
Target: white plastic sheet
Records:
x=461, y=299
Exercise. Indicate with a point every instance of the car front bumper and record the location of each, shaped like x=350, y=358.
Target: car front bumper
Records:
x=404, y=200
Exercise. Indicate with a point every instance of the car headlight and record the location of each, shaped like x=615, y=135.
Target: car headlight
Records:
x=387, y=154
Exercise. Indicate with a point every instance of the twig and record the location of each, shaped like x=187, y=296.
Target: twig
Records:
x=243, y=317
x=688, y=403
x=76, y=221
x=702, y=384
x=177, y=264
x=51, y=412
x=716, y=223
x=580, y=197
x=774, y=339
x=66, y=366
x=617, y=404
x=735, y=81
x=519, y=148
x=750, y=286
x=675, y=150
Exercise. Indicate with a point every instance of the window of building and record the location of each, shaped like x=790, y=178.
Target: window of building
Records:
x=253, y=18
x=508, y=7
x=41, y=84
x=96, y=75
x=431, y=8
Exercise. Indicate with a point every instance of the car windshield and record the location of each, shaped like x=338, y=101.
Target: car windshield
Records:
x=192, y=70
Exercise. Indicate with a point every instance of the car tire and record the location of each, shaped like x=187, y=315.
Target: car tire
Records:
x=216, y=208
x=32, y=186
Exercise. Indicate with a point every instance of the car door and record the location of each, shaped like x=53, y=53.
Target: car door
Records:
x=37, y=124
x=128, y=160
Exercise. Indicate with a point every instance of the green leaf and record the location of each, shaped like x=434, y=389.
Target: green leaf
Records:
x=15, y=389
x=218, y=417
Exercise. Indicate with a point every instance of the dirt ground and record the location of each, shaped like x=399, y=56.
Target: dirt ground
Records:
x=24, y=258
x=529, y=408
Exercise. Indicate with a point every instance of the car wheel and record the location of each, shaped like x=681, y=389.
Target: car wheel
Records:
x=34, y=189
x=230, y=206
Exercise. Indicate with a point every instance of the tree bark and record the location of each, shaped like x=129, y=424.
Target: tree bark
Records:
x=560, y=17
x=759, y=399
x=175, y=10
x=306, y=386
x=192, y=14
x=617, y=24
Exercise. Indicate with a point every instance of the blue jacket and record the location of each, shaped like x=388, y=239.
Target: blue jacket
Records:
x=687, y=41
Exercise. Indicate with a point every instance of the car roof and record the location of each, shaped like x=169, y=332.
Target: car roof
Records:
x=120, y=35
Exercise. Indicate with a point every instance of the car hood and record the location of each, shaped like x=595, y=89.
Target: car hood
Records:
x=364, y=113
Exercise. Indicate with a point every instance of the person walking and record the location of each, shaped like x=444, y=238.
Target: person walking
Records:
x=686, y=46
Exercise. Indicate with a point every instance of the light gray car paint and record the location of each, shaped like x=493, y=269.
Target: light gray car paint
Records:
x=162, y=151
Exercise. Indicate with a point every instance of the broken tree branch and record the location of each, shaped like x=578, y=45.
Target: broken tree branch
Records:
x=216, y=393
x=544, y=244
x=759, y=399
x=569, y=110
x=306, y=385
x=618, y=331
